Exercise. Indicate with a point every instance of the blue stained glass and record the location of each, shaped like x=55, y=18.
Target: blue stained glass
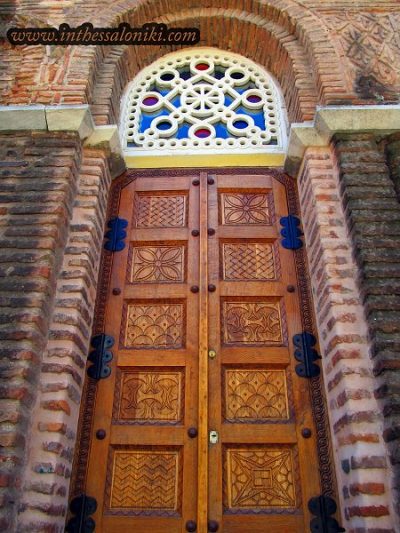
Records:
x=240, y=124
x=256, y=114
x=221, y=131
x=228, y=100
x=219, y=74
x=165, y=125
x=168, y=76
x=237, y=75
x=185, y=74
x=176, y=101
x=183, y=130
x=147, y=119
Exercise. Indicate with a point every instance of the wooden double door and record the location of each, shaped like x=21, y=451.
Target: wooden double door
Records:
x=203, y=424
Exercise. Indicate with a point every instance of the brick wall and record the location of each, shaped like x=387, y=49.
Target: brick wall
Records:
x=38, y=183
x=373, y=216
x=355, y=416
x=54, y=422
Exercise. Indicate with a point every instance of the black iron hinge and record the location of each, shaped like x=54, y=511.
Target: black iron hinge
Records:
x=116, y=235
x=306, y=355
x=322, y=507
x=100, y=356
x=82, y=507
x=291, y=232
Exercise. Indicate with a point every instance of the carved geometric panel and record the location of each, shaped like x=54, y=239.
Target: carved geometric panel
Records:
x=252, y=323
x=160, y=211
x=146, y=480
x=151, y=396
x=259, y=478
x=153, y=325
x=241, y=208
x=255, y=395
x=157, y=264
x=249, y=261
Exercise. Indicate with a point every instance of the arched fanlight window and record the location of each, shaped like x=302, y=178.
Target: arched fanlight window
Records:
x=203, y=100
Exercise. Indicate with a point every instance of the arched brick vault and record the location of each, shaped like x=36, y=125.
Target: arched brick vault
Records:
x=267, y=43
x=286, y=38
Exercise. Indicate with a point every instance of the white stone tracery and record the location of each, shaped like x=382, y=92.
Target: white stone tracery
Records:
x=203, y=100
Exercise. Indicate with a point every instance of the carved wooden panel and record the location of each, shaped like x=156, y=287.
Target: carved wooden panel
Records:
x=157, y=264
x=259, y=478
x=155, y=325
x=160, y=211
x=249, y=261
x=146, y=480
x=252, y=323
x=246, y=208
x=255, y=395
x=150, y=396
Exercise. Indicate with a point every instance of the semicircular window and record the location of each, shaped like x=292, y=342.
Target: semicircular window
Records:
x=203, y=100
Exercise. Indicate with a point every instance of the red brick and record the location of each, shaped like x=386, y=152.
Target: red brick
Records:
x=369, y=510
x=367, y=488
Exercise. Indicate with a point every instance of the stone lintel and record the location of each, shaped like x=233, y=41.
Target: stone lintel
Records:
x=378, y=119
x=107, y=138
x=70, y=118
x=66, y=118
x=22, y=117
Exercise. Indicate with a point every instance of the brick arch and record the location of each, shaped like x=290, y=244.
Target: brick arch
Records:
x=287, y=62
x=295, y=48
x=295, y=45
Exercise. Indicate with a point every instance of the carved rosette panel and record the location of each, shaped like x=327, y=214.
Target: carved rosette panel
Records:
x=243, y=209
x=255, y=395
x=250, y=261
x=145, y=481
x=150, y=396
x=153, y=325
x=156, y=264
x=254, y=323
x=160, y=211
x=259, y=478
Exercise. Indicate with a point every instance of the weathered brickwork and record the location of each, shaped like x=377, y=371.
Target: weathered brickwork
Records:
x=54, y=424
x=373, y=216
x=38, y=175
x=355, y=416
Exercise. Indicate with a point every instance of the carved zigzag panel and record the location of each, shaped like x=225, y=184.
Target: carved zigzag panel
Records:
x=146, y=481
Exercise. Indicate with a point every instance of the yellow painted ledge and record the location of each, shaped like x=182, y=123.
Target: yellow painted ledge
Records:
x=211, y=160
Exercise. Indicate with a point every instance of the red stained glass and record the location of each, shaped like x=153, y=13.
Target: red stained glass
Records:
x=202, y=132
x=253, y=98
x=150, y=100
x=202, y=66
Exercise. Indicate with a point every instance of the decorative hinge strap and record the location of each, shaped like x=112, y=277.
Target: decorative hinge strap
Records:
x=116, y=234
x=291, y=232
x=100, y=356
x=82, y=507
x=306, y=355
x=322, y=507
